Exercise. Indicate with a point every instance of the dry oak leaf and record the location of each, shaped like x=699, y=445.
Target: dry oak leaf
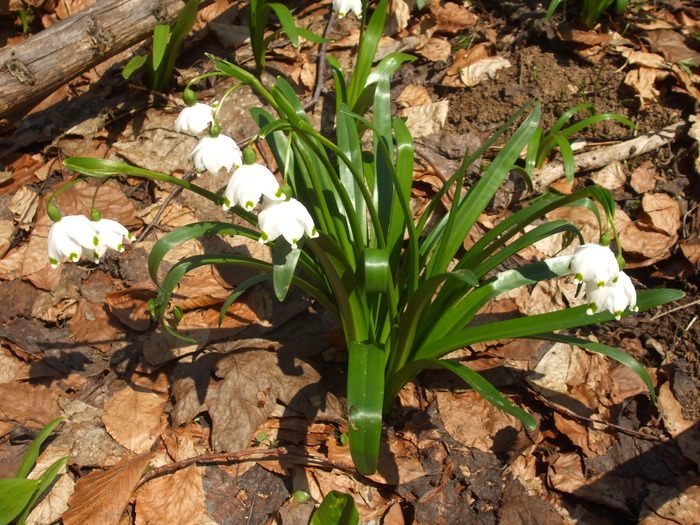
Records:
x=102, y=496
x=31, y=405
x=142, y=410
x=452, y=18
x=177, y=498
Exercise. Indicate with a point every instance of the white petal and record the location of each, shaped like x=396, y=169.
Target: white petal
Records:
x=289, y=219
x=111, y=234
x=214, y=153
x=593, y=262
x=70, y=237
x=249, y=183
x=194, y=119
x=615, y=296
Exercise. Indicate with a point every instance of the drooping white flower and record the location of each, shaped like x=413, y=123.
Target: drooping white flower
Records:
x=214, y=153
x=614, y=296
x=111, y=234
x=72, y=236
x=594, y=262
x=194, y=119
x=289, y=219
x=248, y=184
x=343, y=7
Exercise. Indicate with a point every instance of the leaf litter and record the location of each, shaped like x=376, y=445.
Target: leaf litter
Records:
x=79, y=342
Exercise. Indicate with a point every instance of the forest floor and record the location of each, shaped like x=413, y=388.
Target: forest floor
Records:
x=267, y=386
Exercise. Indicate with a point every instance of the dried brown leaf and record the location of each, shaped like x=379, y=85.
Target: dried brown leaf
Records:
x=436, y=49
x=177, y=498
x=102, y=496
x=643, y=178
x=662, y=212
x=30, y=405
x=642, y=80
x=131, y=307
x=452, y=18
x=475, y=422
x=414, y=96
x=426, y=120
x=672, y=45
x=54, y=504
x=143, y=411
x=611, y=176
x=93, y=325
x=672, y=505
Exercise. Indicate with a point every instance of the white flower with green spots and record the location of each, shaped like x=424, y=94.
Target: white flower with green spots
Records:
x=214, y=153
x=194, y=119
x=614, y=296
x=288, y=219
x=71, y=237
x=249, y=184
x=594, y=262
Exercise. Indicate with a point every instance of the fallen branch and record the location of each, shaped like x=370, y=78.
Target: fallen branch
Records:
x=32, y=69
x=599, y=158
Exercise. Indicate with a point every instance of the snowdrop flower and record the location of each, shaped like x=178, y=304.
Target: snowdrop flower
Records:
x=111, y=234
x=248, y=184
x=214, y=153
x=343, y=7
x=614, y=296
x=289, y=219
x=194, y=119
x=72, y=236
x=594, y=262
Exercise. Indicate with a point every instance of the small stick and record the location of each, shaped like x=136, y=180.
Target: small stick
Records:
x=573, y=415
x=321, y=65
x=599, y=158
x=681, y=307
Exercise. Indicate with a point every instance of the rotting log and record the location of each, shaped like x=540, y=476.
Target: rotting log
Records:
x=32, y=69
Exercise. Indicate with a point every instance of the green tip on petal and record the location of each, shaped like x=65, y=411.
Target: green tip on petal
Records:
x=226, y=204
x=263, y=237
x=578, y=277
x=53, y=262
x=73, y=256
x=600, y=284
x=95, y=241
x=249, y=205
x=120, y=247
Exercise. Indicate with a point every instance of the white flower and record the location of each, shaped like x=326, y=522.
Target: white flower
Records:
x=194, y=119
x=593, y=262
x=290, y=219
x=614, y=296
x=214, y=153
x=343, y=7
x=248, y=184
x=70, y=237
x=111, y=234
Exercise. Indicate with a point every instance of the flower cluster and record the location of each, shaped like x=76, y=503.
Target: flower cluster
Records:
x=607, y=288
x=76, y=235
x=213, y=151
x=249, y=183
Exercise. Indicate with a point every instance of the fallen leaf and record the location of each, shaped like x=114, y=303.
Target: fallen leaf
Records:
x=93, y=325
x=452, y=18
x=425, y=120
x=475, y=422
x=662, y=212
x=642, y=80
x=691, y=251
x=643, y=178
x=671, y=44
x=102, y=496
x=672, y=505
x=131, y=307
x=177, y=498
x=31, y=405
x=611, y=176
x=143, y=410
x=436, y=49
x=414, y=96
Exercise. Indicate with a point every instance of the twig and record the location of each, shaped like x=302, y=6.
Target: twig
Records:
x=271, y=454
x=321, y=65
x=599, y=158
x=573, y=415
x=681, y=307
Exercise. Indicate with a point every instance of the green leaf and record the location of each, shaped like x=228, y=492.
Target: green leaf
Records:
x=240, y=290
x=32, y=453
x=287, y=21
x=365, y=400
x=336, y=508
x=366, y=52
x=161, y=34
x=486, y=390
x=45, y=482
x=376, y=269
x=284, y=260
x=135, y=63
x=191, y=231
x=15, y=494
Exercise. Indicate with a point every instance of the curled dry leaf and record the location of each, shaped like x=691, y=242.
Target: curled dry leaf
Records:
x=102, y=496
x=452, y=18
x=643, y=178
x=436, y=49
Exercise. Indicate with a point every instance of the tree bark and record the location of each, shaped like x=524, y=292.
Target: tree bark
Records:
x=31, y=70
